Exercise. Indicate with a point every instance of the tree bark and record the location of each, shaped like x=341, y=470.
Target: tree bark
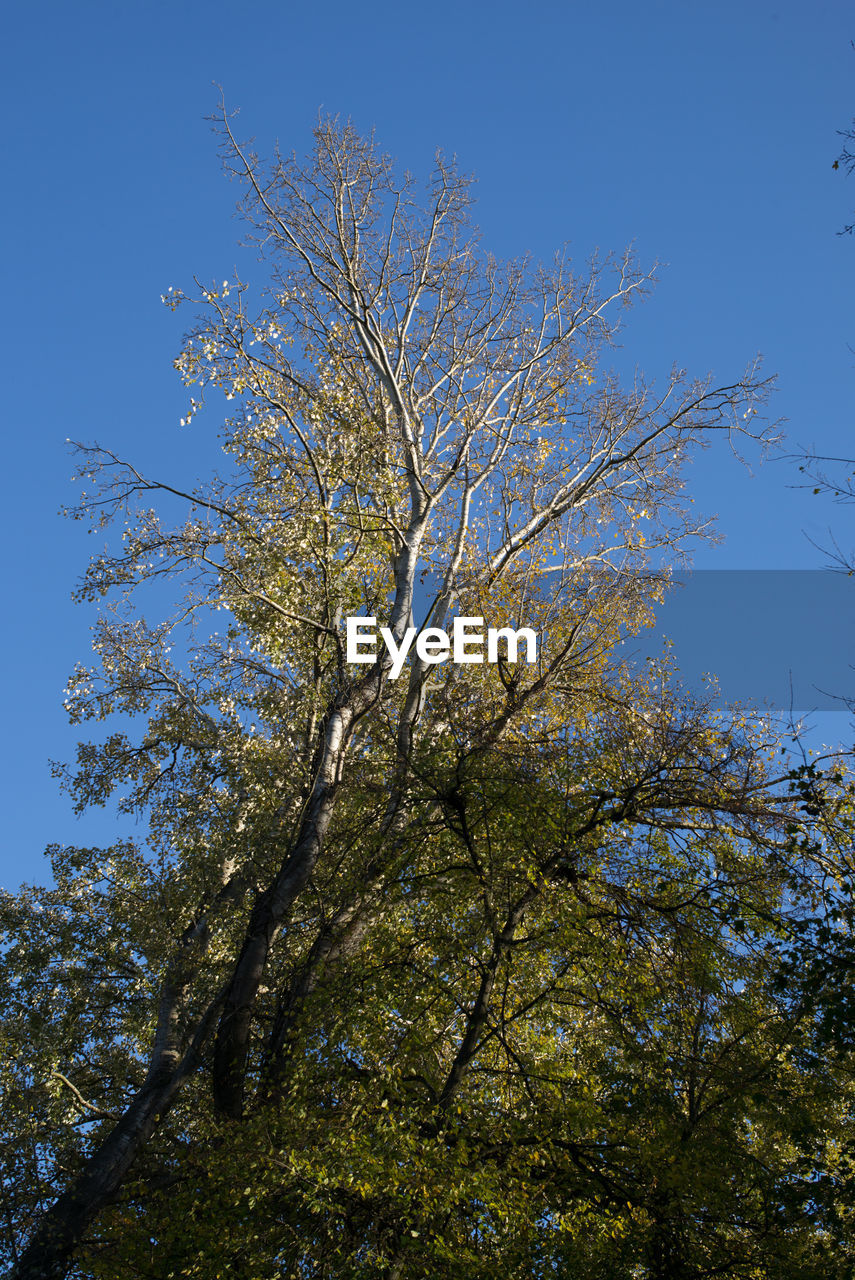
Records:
x=53, y=1244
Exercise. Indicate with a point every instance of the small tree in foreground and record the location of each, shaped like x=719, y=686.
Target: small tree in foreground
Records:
x=475, y=971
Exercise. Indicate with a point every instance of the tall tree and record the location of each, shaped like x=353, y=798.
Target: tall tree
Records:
x=429, y=973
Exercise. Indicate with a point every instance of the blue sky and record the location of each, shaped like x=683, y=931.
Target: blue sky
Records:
x=705, y=133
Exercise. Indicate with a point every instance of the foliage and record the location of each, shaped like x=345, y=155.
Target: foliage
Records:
x=490, y=970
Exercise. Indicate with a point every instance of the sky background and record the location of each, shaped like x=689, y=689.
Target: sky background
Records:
x=703, y=133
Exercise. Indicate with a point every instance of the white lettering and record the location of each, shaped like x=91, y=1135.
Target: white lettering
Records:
x=512, y=637
x=432, y=645
x=462, y=638
x=355, y=639
x=398, y=654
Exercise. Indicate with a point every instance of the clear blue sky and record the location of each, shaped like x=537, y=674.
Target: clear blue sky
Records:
x=703, y=132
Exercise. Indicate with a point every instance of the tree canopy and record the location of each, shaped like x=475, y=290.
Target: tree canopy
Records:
x=520, y=969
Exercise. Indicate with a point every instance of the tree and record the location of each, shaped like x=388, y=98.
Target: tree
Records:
x=428, y=975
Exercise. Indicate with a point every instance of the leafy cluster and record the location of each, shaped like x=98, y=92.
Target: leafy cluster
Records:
x=519, y=970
